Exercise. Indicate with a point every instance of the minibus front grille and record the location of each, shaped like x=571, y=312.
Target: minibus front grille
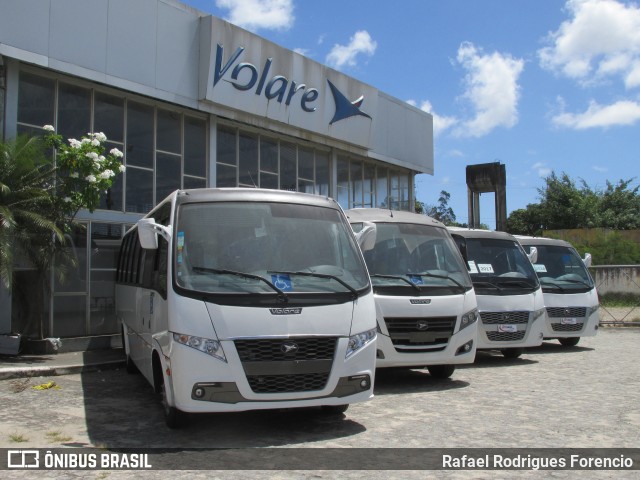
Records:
x=286, y=349
x=563, y=312
x=505, y=336
x=281, y=365
x=504, y=318
x=420, y=331
x=287, y=383
x=559, y=327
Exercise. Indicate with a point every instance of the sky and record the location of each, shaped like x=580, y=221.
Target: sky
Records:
x=540, y=86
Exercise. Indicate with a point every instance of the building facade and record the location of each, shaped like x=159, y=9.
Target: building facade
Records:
x=193, y=102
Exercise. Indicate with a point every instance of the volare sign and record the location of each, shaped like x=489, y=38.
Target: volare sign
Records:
x=245, y=76
x=249, y=77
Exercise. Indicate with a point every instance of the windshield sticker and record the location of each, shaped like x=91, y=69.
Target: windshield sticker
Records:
x=180, y=247
x=472, y=266
x=539, y=267
x=485, y=268
x=416, y=279
x=283, y=282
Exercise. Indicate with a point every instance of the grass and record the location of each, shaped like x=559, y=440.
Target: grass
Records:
x=17, y=438
x=57, y=436
x=620, y=300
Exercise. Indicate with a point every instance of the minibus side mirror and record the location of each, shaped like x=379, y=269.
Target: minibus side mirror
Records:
x=367, y=236
x=587, y=260
x=148, y=231
x=533, y=254
x=461, y=243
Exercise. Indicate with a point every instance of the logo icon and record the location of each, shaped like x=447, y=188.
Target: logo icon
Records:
x=289, y=347
x=422, y=325
x=23, y=459
x=286, y=311
x=345, y=108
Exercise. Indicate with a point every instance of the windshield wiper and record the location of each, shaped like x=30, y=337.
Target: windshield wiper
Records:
x=321, y=275
x=550, y=284
x=397, y=277
x=516, y=282
x=575, y=281
x=444, y=277
x=486, y=284
x=281, y=295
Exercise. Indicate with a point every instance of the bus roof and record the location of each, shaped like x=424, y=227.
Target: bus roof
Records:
x=383, y=215
x=479, y=233
x=526, y=240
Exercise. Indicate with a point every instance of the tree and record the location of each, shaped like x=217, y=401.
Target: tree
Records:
x=526, y=221
x=27, y=212
x=442, y=212
x=619, y=207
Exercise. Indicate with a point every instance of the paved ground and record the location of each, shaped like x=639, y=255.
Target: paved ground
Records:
x=586, y=396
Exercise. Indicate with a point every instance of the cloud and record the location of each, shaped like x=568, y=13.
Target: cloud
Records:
x=624, y=112
x=492, y=89
x=600, y=169
x=600, y=40
x=541, y=169
x=360, y=43
x=440, y=123
x=259, y=14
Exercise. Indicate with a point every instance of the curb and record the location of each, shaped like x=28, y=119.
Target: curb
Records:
x=28, y=372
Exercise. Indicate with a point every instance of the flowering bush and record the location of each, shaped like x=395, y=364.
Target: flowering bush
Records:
x=84, y=171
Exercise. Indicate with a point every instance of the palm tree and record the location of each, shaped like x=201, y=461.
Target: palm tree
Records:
x=29, y=217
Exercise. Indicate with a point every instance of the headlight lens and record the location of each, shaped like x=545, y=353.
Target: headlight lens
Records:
x=538, y=313
x=356, y=342
x=205, y=345
x=591, y=310
x=468, y=318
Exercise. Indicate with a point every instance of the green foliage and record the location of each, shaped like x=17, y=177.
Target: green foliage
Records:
x=442, y=211
x=608, y=248
x=567, y=205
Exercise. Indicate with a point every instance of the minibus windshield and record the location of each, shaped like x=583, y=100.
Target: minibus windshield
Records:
x=500, y=267
x=561, y=270
x=417, y=258
x=266, y=248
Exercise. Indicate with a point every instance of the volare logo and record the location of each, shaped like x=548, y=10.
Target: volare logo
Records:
x=286, y=311
x=245, y=77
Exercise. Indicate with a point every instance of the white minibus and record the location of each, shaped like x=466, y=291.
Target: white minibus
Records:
x=426, y=306
x=241, y=299
x=509, y=296
x=570, y=296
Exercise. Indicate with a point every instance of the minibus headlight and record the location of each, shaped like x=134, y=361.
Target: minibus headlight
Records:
x=356, y=342
x=591, y=310
x=468, y=318
x=205, y=345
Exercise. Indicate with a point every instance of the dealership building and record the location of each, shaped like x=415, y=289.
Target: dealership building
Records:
x=193, y=102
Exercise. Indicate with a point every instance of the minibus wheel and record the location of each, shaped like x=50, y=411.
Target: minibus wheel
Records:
x=569, y=341
x=441, y=371
x=172, y=416
x=512, y=352
x=335, y=409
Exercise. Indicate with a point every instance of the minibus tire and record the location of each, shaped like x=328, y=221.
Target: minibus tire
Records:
x=173, y=417
x=441, y=372
x=512, y=352
x=569, y=341
x=335, y=409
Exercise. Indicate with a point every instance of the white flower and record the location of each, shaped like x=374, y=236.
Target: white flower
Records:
x=101, y=158
x=122, y=168
x=49, y=128
x=101, y=137
x=85, y=141
x=74, y=143
x=67, y=199
x=90, y=178
x=92, y=155
x=107, y=174
x=116, y=153
x=74, y=175
x=95, y=142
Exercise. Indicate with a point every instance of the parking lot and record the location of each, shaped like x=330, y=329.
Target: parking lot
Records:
x=586, y=396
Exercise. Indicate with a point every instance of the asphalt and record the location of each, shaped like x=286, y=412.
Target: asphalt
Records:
x=23, y=366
